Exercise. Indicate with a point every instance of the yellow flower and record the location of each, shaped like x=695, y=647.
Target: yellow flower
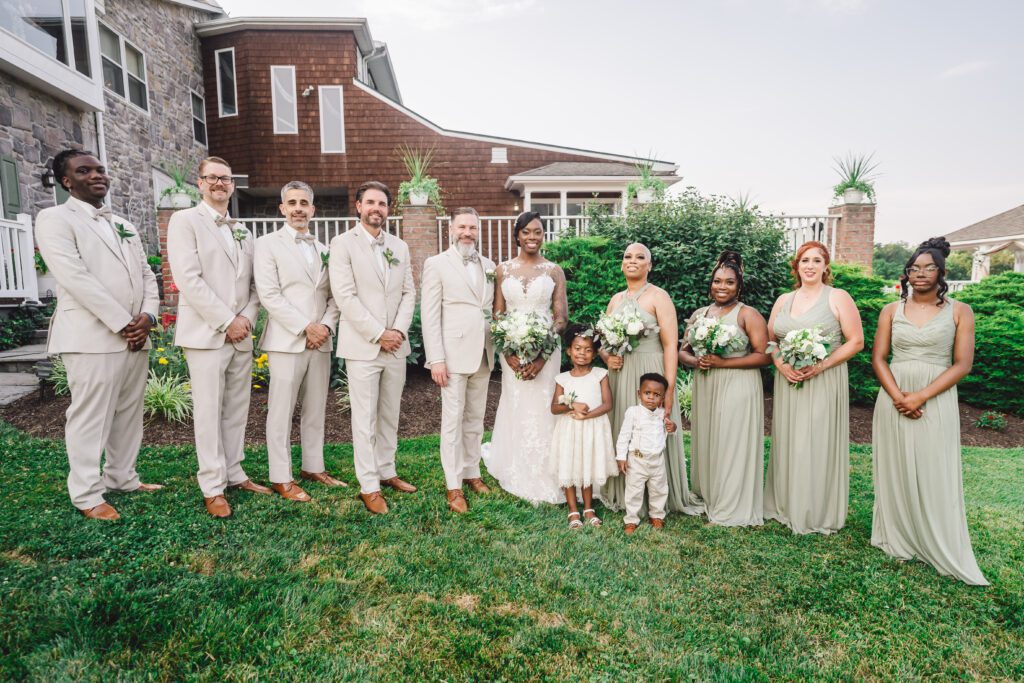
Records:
x=256, y=386
x=262, y=359
x=163, y=361
x=160, y=350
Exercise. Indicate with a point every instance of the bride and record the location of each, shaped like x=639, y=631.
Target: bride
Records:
x=517, y=455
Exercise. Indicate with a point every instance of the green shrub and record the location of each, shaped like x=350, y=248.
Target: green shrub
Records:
x=164, y=357
x=990, y=419
x=169, y=397
x=591, y=272
x=415, y=339
x=867, y=293
x=684, y=392
x=994, y=294
x=59, y=377
x=18, y=327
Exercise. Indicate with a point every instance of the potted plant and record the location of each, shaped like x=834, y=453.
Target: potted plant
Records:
x=648, y=187
x=856, y=178
x=181, y=195
x=421, y=188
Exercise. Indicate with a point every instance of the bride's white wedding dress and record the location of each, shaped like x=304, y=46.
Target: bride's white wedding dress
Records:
x=518, y=453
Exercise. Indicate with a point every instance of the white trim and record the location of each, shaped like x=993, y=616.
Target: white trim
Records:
x=1000, y=239
x=499, y=155
x=206, y=128
x=55, y=78
x=358, y=26
x=283, y=68
x=341, y=102
x=234, y=80
x=194, y=4
x=512, y=142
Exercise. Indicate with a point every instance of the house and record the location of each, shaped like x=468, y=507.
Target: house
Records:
x=990, y=236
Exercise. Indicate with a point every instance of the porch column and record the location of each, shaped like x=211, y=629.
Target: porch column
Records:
x=855, y=234
x=527, y=200
x=563, y=209
x=980, y=265
x=1018, y=260
x=419, y=230
x=624, y=202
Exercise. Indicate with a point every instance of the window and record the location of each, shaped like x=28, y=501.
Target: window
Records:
x=10, y=192
x=332, y=120
x=282, y=99
x=198, y=118
x=499, y=155
x=55, y=27
x=227, y=91
x=124, y=68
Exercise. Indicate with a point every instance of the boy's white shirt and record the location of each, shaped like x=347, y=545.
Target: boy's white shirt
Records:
x=642, y=430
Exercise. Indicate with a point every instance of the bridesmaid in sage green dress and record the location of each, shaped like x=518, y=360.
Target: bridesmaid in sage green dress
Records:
x=654, y=353
x=727, y=417
x=807, y=485
x=919, y=492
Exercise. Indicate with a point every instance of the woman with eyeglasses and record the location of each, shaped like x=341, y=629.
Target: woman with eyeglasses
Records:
x=919, y=494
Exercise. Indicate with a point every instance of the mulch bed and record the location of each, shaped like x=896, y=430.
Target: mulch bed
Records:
x=421, y=415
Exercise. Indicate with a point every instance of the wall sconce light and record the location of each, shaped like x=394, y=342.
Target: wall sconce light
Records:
x=307, y=91
x=47, y=178
x=515, y=208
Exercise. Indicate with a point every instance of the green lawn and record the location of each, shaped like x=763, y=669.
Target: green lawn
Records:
x=323, y=590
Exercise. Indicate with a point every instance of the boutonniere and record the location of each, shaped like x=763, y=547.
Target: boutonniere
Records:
x=325, y=256
x=389, y=256
x=239, y=234
x=123, y=232
x=489, y=275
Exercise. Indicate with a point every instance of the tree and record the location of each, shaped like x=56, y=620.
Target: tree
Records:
x=889, y=260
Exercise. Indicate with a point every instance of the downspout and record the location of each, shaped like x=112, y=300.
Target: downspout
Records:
x=101, y=143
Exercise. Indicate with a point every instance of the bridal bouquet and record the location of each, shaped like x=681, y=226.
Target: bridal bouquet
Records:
x=620, y=332
x=711, y=336
x=802, y=348
x=524, y=334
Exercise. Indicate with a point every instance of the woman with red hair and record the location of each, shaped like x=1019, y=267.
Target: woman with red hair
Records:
x=807, y=485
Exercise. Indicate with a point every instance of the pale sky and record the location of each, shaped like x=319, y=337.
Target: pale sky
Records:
x=746, y=96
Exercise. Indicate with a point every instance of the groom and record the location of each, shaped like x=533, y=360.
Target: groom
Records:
x=457, y=294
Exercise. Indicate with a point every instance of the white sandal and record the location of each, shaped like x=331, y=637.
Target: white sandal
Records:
x=593, y=521
x=575, y=523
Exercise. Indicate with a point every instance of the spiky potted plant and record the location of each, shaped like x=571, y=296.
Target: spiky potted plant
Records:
x=180, y=195
x=856, y=178
x=648, y=187
x=421, y=188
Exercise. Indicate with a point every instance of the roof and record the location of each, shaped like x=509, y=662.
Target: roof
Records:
x=1007, y=224
x=205, y=5
x=587, y=168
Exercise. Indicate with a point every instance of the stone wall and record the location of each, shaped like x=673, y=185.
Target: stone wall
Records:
x=34, y=126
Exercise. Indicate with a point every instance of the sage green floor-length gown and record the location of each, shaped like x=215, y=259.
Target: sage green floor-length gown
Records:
x=919, y=493
x=808, y=481
x=727, y=437
x=647, y=356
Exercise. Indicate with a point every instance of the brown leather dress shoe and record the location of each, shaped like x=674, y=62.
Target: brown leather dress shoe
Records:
x=477, y=485
x=291, y=491
x=149, y=488
x=457, y=501
x=629, y=529
x=658, y=523
x=374, y=502
x=251, y=486
x=104, y=511
x=399, y=485
x=321, y=477
x=217, y=506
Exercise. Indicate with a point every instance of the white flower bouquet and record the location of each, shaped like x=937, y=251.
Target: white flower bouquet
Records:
x=802, y=348
x=620, y=332
x=711, y=336
x=524, y=334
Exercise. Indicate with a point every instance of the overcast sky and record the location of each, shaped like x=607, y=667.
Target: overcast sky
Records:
x=746, y=96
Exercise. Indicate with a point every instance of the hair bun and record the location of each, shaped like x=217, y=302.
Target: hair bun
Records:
x=938, y=243
x=728, y=256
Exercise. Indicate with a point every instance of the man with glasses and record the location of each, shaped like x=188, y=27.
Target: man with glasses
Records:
x=211, y=259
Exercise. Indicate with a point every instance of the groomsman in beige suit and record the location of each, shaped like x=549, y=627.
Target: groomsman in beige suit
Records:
x=458, y=291
x=292, y=281
x=211, y=259
x=372, y=283
x=107, y=302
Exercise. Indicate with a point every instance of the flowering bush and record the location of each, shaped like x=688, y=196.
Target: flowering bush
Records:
x=990, y=419
x=166, y=359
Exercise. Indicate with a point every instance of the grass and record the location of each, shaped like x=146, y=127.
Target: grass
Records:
x=298, y=592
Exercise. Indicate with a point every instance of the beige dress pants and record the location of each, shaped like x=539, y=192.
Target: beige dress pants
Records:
x=463, y=403
x=647, y=472
x=105, y=416
x=308, y=373
x=375, y=394
x=221, y=382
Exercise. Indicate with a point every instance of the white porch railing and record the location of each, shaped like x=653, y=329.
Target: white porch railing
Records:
x=324, y=229
x=497, y=239
x=957, y=285
x=17, y=259
x=800, y=229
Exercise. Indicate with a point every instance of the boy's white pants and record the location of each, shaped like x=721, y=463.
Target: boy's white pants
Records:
x=649, y=471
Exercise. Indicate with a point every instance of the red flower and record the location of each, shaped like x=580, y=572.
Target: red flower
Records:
x=172, y=288
x=167, y=319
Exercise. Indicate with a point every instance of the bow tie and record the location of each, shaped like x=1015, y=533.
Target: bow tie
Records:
x=304, y=237
x=225, y=220
x=103, y=212
x=472, y=258
x=378, y=241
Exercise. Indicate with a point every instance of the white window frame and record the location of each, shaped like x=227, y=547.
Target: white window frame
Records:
x=206, y=128
x=499, y=155
x=124, y=43
x=341, y=101
x=234, y=82
x=285, y=68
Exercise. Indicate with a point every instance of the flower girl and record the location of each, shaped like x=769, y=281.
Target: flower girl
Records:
x=582, y=448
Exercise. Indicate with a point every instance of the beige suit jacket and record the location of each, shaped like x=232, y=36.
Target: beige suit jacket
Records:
x=99, y=289
x=294, y=293
x=455, y=313
x=366, y=307
x=212, y=288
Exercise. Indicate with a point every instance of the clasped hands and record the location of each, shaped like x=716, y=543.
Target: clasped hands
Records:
x=238, y=329
x=794, y=376
x=137, y=331
x=316, y=335
x=910, y=405
x=525, y=370
x=391, y=340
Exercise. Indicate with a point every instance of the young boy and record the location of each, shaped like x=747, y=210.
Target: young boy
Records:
x=642, y=437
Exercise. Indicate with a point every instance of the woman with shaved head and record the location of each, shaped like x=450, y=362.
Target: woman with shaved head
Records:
x=654, y=353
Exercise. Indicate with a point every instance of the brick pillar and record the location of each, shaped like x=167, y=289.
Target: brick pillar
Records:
x=163, y=218
x=419, y=230
x=855, y=234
